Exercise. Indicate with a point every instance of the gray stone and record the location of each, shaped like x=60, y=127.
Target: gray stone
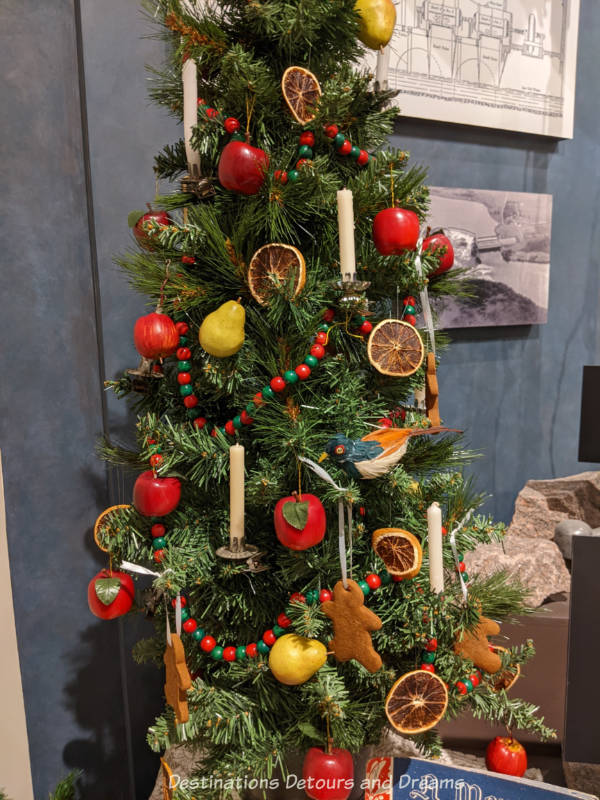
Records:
x=536, y=563
x=541, y=505
x=564, y=533
x=582, y=777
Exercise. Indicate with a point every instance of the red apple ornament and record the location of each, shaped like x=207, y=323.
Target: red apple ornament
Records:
x=300, y=521
x=504, y=754
x=110, y=594
x=154, y=496
x=155, y=336
x=436, y=241
x=136, y=221
x=242, y=167
x=395, y=230
x=328, y=776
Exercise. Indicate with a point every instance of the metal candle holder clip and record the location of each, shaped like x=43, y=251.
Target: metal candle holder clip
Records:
x=199, y=185
x=146, y=371
x=353, y=292
x=238, y=549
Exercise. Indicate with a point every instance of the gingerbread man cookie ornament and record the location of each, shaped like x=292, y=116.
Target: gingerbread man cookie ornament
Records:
x=475, y=646
x=352, y=626
x=177, y=678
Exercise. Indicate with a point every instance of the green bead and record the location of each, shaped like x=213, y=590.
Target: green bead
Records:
x=278, y=630
x=468, y=684
x=293, y=175
x=304, y=151
x=409, y=309
x=267, y=392
x=185, y=614
x=465, y=577
x=311, y=597
x=237, y=422
x=386, y=578
x=223, y=431
x=289, y=376
x=339, y=139
x=250, y=409
x=355, y=152
x=427, y=657
x=192, y=413
x=184, y=366
x=217, y=653
x=238, y=137
x=311, y=361
x=198, y=634
x=186, y=389
x=183, y=340
x=262, y=647
x=366, y=589
x=461, y=556
x=159, y=543
x=323, y=327
x=240, y=653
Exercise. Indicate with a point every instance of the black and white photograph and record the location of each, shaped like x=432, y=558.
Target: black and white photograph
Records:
x=502, y=241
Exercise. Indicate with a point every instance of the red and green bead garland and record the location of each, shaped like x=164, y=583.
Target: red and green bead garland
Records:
x=305, y=152
x=218, y=652
x=462, y=567
x=428, y=658
x=408, y=313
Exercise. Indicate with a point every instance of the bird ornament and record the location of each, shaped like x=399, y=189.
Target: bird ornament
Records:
x=376, y=453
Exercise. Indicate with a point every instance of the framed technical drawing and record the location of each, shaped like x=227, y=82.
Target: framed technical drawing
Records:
x=507, y=64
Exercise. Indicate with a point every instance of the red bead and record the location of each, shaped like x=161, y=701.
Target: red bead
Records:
x=462, y=689
x=444, y=531
x=345, y=147
x=229, y=654
x=331, y=131
x=213, y=433
x=302, y=162
x=183, y=602
x=321, y=337
x=396, y=578
x=427, y=667
x=208, y=643
x=302, y=371
x=318, y=351
x=231, y=124
x=384, y=422
x=269, y=637
x=200, y=422
x=410, y=318
x=183, y=353
x=462, y=566
x=297, y=598
x=188, y=260
x=190, y=625
x=366, y=327
x=373, y=581
x=474, y=680
x=329, y=315
x=200, y=99
x=156, y=460
x=281, y=176
x=230, y=427
x=277, y=384
x=284, y=621
x=363, y=158
x=325, y=595
x=159, y=555
x=362, y=511
x=184, y=377
x=258, y=399
x=191, y=401
x=307, y=137
x=431, y=645
x=409, y=301
x=212, y=113
x=246, y=418
x=251, y=650
x=157, y=531
x=182, y=328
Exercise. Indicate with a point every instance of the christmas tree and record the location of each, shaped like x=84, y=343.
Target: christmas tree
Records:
x=286, y=277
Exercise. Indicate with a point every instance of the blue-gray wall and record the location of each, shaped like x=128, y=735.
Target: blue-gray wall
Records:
x=515, y=390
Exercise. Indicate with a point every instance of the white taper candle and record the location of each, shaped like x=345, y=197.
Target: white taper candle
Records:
x=434, y=540
x=236, y=496
x=346, y=231
x=382, y=69
x=190, y=111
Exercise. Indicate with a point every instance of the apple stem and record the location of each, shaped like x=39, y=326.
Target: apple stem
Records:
x=149, y=205
x=247, y=137
x=239, y=300
x=295, y=496
x=510, y=733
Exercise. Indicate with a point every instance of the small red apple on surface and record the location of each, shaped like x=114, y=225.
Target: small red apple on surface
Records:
x=110, y=594
x=155, y=336
x=504, y=754
x=395, y=230
x=154, y=496
x=328, y=776
x=242, y=167
x=136, y=221
x=300, y=521
x=436, y=241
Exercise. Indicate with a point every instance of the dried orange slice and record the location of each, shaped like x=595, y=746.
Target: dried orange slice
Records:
x=273, y=268
x=301, y=91
x=104, y=524
x=416, y=702
x=395, y=348
x=399, y=550
x=506, y=676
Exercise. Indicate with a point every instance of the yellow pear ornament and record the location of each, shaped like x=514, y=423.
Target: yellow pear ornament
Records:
x=222, y=332
x=294, y=659
x=377, y=20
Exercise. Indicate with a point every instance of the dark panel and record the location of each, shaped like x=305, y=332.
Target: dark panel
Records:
x=582, y=723
x=589, y=425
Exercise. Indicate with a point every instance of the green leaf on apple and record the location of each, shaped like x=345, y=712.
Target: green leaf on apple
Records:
x=107, y=589
x=134, y=217
x=309, y=730
x=295, y=514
